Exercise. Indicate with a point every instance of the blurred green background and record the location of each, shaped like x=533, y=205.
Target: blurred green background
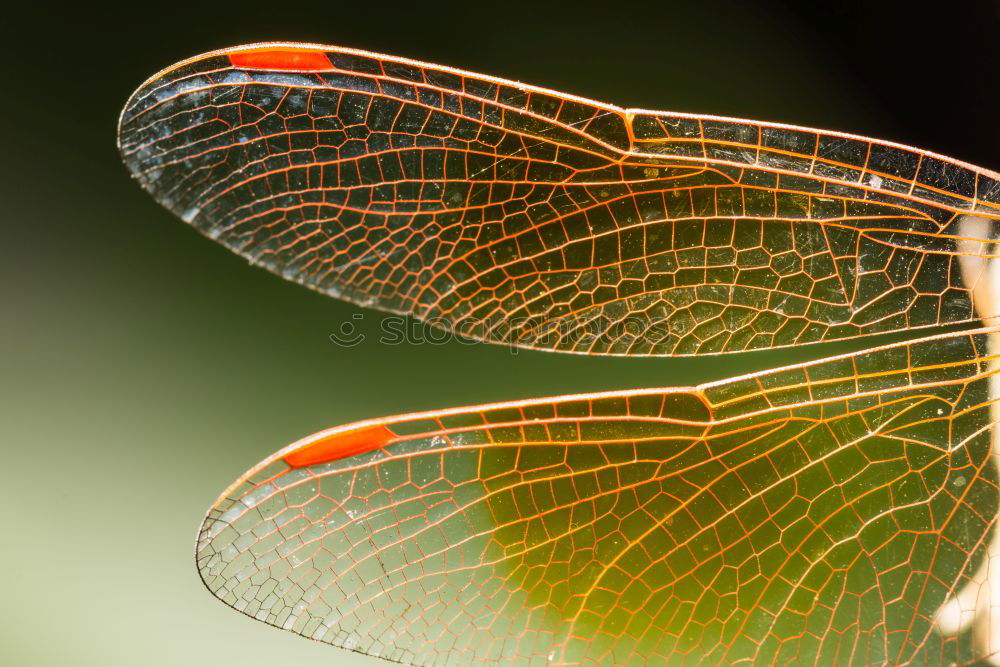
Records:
x=144, y=367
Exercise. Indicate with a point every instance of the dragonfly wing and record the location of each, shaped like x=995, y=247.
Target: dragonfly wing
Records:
x=513, y=214
x=834, y=512
x=815, y=514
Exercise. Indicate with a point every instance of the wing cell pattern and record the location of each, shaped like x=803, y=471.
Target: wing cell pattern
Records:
x=818, y=514
x=837, y=512
x=512, y=214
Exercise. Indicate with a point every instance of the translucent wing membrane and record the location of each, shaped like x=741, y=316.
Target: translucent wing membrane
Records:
x=520, y=215
x=818, y=514
x=838, y=512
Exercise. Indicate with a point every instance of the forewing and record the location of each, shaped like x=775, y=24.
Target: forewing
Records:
x=513, y=214
x=816, y=514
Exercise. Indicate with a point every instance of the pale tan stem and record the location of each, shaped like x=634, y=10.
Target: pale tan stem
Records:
x=976, y=606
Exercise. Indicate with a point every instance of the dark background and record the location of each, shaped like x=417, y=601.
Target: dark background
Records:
x=144, y=367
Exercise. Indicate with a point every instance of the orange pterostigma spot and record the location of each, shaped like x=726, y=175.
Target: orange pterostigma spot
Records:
x=287, y=59
x=340, y=446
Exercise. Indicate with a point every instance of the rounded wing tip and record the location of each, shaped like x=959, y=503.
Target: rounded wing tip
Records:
x=270, y=55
